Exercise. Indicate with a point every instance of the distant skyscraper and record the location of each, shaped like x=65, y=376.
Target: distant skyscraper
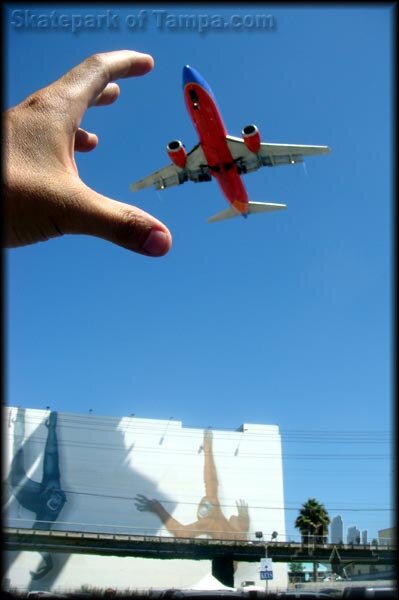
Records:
x=353, y=535
x=337, y=530
x=364, y=536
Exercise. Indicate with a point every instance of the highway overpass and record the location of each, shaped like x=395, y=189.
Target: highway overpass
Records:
x=222, y=553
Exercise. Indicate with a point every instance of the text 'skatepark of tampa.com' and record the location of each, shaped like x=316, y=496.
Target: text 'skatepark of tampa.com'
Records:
x=164, y=20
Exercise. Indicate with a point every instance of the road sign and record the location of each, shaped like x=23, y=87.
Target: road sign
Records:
x=266, y=568
x=266, y=564
x=266, y=575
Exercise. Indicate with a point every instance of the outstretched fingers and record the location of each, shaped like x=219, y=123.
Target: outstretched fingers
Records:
x=119, y=223
x=88, y=81
x=141, y=497
x=90, y=213
x=241, y=505
x=141, y=502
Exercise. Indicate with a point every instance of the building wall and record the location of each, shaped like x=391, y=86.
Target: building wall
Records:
x=220, y=484
x=337, y=530
x=353, y=535
x=387, y=536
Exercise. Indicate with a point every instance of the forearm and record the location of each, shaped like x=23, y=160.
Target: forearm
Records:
x=171, y=524
x=210, y=476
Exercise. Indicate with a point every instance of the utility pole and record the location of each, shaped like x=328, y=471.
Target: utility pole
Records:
x=267, y=581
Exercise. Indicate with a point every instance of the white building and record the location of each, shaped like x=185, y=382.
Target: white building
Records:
x=337, y=530
x=137, y=476
x=387, y=536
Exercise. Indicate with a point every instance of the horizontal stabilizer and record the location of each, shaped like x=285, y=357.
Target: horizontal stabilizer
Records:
x=257, y=207
x=253, y=207
x=225, y=214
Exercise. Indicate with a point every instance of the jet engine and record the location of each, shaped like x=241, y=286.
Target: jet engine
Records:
x=177, y=153
x=251, y=136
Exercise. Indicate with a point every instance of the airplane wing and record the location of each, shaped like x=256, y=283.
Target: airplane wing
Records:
x=195, y=170
x=270, y=155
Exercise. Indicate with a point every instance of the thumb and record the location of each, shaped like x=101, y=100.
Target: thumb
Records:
x=121, y=224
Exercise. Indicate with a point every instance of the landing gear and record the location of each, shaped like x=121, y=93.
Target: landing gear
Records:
x=204, y=177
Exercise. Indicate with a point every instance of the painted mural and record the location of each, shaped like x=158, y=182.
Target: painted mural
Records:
x=211, y=520
x=45, y=499
x=137, y=476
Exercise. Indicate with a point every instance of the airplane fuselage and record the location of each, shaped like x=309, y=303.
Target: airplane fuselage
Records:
x=208, y=122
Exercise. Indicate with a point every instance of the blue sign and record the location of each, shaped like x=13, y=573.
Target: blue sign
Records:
x=266, y=574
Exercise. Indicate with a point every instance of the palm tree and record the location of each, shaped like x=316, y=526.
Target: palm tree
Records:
x=312, y=522
x=296, y=571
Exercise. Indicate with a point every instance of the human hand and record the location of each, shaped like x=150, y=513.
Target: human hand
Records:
x=242, y=508
x=145, y=504
x=44, y=195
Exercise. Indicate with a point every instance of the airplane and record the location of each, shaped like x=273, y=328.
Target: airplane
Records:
x=220, y=155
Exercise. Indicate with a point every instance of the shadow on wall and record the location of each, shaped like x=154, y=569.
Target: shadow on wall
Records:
x=48, y=486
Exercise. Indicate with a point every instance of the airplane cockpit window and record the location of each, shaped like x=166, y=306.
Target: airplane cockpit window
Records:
x=194, y=98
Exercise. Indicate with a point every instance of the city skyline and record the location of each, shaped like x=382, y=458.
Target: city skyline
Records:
x=338, y=534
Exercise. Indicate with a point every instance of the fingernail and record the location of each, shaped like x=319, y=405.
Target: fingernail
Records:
x=157, y=243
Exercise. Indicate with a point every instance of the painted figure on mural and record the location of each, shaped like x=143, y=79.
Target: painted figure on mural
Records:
x=210, y=518
x=46, y=498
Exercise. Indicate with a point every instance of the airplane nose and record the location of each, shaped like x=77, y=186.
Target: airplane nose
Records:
x=191, y=75
x=188, y=75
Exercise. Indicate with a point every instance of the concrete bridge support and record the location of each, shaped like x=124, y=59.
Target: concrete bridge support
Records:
x=223, y=570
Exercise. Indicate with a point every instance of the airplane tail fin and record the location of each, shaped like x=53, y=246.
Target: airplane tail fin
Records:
x=253, y=207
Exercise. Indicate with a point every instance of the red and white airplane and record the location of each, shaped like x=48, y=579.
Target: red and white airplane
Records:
x=220, y=155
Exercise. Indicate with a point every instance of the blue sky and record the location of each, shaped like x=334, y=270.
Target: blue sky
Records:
x=282, y=318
